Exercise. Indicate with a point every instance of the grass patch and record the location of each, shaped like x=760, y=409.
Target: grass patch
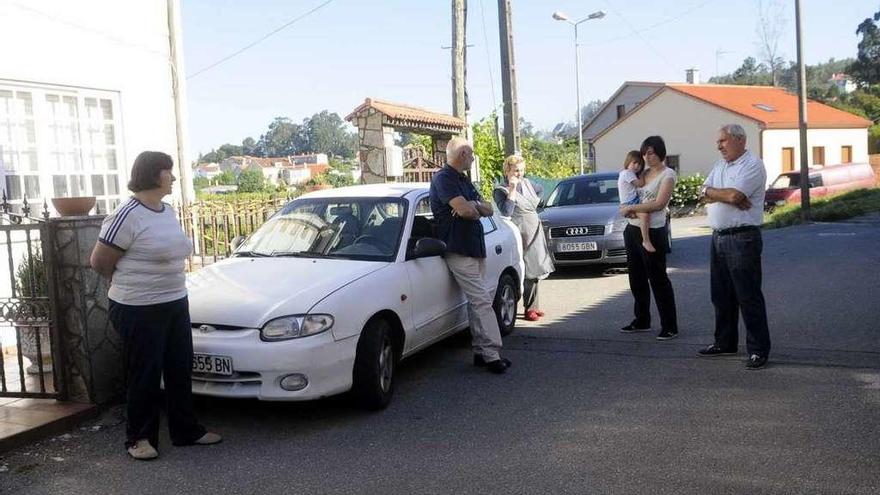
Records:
x=828, y=209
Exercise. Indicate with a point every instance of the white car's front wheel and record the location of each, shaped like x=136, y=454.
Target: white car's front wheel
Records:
x=374, y=363
x=505, y=303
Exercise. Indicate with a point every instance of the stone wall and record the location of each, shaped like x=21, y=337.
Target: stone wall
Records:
x=91, y=348
x=374, y=137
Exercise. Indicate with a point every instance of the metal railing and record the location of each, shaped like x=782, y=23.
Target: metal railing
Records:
x=28, y=306
x=212, y=225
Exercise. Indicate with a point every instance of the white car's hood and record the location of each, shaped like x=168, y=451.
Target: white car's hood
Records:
x=247, y=292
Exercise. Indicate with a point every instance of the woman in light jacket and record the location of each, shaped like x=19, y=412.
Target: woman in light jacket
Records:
x=518, y=199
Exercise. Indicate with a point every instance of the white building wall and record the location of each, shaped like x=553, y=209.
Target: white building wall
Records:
x=121, y=47
x=774, y=140
x=688, y=126
x=630, y=96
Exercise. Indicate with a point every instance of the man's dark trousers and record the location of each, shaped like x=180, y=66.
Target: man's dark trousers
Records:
x=736, y=286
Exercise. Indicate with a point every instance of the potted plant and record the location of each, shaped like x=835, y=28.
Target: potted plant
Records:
x=32, y=315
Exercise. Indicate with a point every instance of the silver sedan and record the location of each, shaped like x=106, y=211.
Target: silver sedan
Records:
x=582, y=221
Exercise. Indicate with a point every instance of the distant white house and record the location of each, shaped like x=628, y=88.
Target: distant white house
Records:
x=87, y=85
x=843, y=82
x=207, y=170
x=278, y=169
x=689, y=115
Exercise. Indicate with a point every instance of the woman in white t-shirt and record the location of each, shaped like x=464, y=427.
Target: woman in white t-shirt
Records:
x=141, y=250
x=647, y=270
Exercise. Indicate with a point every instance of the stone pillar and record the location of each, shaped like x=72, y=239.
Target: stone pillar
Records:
x=440, y=143
x=372, y=138
x=90, y=347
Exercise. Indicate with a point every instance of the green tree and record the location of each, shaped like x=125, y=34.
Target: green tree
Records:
x=249, y=147
x=282, y=138
x=226, y=178
x=491, y=155
x=325, y=132
x=866, y=68
x=251, y=180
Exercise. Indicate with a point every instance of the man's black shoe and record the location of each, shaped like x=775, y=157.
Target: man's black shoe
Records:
x=756, y=362
x=633, y=328
x=482, y=363
x=667, y=335
x=499, y=366
x=715, y=350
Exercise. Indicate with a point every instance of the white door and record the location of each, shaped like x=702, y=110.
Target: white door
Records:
x=497, y=252
x=437, y=304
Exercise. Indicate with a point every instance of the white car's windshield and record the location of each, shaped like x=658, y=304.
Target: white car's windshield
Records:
x=584, y=192
x=349, y=228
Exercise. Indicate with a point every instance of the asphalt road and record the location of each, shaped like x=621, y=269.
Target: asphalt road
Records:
x=585, y=409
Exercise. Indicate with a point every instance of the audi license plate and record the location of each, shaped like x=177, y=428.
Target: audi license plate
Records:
x=217, y=365
x=567, y=247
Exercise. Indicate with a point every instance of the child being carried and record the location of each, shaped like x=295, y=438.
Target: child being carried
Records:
x=628, y=183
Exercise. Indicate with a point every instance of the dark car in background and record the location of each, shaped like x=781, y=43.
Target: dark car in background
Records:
x=582, y=221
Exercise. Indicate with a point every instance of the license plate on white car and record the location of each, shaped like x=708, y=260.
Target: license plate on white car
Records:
x=567, y=247
x=217, y=365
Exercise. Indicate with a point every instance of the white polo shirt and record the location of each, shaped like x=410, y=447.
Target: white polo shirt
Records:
x=152, y=269
x=747, y=175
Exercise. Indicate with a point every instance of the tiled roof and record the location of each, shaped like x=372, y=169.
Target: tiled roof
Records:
x=408, y=113
x=774, y=108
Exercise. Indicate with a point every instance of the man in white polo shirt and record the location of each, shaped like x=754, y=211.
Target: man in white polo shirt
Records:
x=734, y=192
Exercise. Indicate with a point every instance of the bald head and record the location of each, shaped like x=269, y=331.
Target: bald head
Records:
x=459, y=153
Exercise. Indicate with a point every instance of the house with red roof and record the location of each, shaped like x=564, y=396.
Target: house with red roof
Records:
x=688, y=117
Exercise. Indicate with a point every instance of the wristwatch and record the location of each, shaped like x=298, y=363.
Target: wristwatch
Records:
x=703, y=191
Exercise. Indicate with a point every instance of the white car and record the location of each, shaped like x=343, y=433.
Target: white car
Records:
x=332, y=291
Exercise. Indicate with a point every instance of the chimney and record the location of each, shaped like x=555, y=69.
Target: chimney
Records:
x=692, y=76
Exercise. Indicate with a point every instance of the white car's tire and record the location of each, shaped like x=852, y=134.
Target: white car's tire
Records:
x=506, y=299
x=374, y=366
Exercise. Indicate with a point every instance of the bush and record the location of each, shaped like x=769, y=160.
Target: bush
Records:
x=251, y=181
x=687, y=191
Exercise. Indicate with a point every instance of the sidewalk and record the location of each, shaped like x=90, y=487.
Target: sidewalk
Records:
x=24, y=421
x=27, y=420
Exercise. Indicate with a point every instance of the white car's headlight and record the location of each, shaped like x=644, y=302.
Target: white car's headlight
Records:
x=618, y=225
x=295, y=326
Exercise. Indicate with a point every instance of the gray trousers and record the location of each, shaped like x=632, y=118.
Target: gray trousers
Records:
x=530, y=294
x=470, y=273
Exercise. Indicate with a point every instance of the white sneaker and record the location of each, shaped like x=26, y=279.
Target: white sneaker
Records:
x=143, y=451
x=209, y=438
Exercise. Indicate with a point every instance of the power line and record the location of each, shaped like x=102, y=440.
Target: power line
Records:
x=488, y=58
x=260, y=40
x=638, y=34
x=655, y=25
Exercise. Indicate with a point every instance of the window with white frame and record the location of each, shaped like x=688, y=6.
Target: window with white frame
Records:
x=60, y=142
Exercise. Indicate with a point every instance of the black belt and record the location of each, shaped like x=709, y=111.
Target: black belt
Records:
x=737, y=230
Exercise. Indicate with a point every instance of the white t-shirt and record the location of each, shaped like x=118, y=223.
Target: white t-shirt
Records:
x=625, y=187
x=152, y=269
x=649, y=192
x=747, y=175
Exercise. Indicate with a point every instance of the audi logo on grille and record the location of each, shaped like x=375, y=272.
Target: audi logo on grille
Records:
x=573, y=231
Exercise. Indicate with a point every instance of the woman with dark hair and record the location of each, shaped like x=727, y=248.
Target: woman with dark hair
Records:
x=141, y=250
x=647, y=270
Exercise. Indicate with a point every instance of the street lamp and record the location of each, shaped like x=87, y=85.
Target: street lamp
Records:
x=561, y=16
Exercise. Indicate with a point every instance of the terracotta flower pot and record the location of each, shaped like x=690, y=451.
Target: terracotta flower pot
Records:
x=74, y=207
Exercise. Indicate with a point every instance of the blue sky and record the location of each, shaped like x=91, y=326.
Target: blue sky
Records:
x=391, y=49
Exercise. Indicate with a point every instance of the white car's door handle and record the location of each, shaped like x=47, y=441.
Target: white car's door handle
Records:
x=498, y=249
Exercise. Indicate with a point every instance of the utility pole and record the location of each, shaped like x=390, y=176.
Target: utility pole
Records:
x=802, y=115
x=508, y=79
x=458, y=58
